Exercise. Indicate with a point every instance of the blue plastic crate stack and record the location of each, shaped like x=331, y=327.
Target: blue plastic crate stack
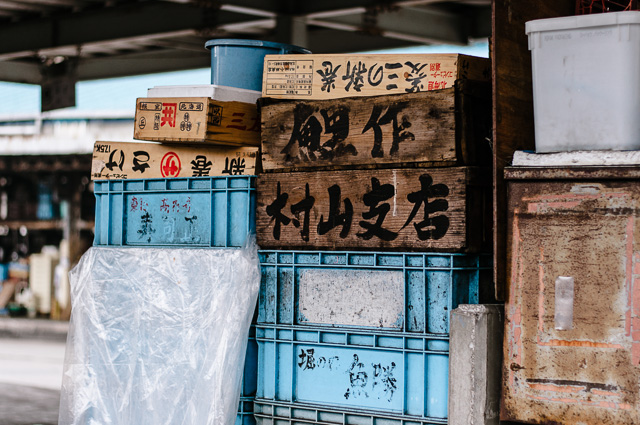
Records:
x=367, y=244
x=169, y=194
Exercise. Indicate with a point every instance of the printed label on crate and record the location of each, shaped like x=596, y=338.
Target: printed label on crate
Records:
x=398, y=208
x=196, y=120
x=121, y=160
x=382, y=130
x=335, y=76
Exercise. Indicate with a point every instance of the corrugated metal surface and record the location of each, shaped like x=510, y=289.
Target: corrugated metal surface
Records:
x=582, y=369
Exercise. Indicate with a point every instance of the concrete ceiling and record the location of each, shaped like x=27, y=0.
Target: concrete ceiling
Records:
x=91, y=39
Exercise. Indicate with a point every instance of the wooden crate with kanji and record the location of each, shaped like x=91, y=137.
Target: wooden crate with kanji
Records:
x=149, y=160
x=437, y=128
x=197, y=120
x=336, y=76
x=435, y=209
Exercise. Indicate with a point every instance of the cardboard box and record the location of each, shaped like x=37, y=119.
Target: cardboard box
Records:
x=337, y=76
x=123, y=160
x=198, y=120
x=429, y=129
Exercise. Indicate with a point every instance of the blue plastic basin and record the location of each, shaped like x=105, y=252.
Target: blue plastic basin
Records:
x=239, y=63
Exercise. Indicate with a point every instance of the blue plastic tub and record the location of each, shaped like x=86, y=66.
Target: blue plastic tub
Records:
x=178, y=212
x=239, y=63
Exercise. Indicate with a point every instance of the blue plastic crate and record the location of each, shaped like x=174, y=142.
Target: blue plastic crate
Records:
x=393, y=374
x=249, y=382
x=179, y=212
x=245, y=412
x=367, y=332
x=402, y=292
x=269, y=413
x=250, y=372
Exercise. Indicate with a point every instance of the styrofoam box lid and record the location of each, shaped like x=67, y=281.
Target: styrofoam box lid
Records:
x=217, y=92
x=583, y=21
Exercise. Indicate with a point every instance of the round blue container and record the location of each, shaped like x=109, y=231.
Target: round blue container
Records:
x=239, y=63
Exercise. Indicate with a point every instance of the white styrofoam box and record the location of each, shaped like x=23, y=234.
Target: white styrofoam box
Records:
x=221, y=93
x=575, y=158
x=586, y=84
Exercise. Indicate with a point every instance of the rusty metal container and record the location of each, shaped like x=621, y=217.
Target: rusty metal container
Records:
x=572, y=331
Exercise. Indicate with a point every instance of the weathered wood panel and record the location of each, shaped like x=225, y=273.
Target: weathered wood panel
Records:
x=437, y=128
x=512, y=102
x=572, y=347
x=123, y=160
x=410, y=209
x=197, y=119
x=337, y=76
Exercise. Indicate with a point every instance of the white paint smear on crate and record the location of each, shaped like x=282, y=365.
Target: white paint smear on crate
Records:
x=352, y=297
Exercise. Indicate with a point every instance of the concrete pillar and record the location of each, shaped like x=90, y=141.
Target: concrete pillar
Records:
x=475, y=358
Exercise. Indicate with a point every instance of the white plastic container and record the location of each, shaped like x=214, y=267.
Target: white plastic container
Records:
x=586, y=82
x=221, y=93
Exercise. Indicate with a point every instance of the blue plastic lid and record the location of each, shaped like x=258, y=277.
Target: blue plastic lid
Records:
x=255, y=43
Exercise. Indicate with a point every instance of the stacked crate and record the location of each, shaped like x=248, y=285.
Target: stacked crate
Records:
x=194, y=189
x=373, y=214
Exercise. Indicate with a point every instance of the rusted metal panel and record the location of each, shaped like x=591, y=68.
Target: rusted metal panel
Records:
x=572, y=334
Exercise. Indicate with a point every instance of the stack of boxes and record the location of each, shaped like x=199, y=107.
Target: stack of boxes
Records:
x=195, y=189
x=373, y=212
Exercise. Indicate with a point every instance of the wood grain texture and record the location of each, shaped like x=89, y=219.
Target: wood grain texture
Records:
x=437, y=128
x=197, y=120
x=314, y=77
x=512, y=102
x=124, y=160
x=414, y=209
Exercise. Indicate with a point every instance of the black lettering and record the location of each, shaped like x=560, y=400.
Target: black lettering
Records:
x=372, y=199
x=429, y=227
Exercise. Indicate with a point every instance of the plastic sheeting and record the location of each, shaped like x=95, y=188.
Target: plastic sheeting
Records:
x=158, y=336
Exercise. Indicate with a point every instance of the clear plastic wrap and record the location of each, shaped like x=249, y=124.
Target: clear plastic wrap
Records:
x=158, y=336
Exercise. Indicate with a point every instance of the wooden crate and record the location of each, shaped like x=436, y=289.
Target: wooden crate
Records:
x=196, y=119
x=123, y=160
x=572, y=349
x=437, y=128
x=337, y=76
x=404, y=209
